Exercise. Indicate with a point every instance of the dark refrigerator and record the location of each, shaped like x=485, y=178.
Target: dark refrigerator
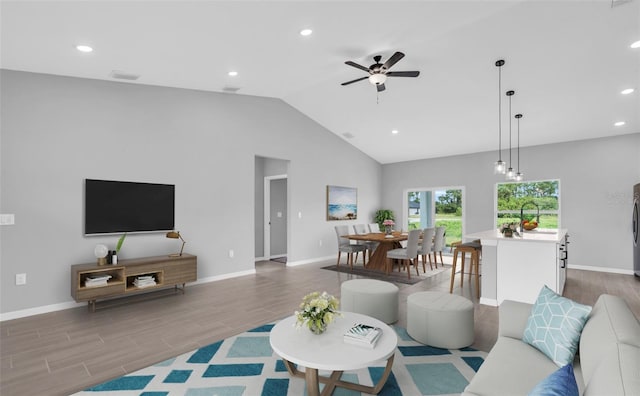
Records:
x=634, y=225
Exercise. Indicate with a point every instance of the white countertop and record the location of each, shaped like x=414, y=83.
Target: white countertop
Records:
x=537, y=235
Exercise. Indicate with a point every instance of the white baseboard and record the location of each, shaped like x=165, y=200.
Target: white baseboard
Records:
x=602, y=269
x=224, y=276
x=68, y=305
x=488, y=301
x=309, y=261
x=260, y=259
x=23, y=313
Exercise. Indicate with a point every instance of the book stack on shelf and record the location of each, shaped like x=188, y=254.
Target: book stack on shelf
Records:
x=363, y=335
x=96, y=280
x=143, y=281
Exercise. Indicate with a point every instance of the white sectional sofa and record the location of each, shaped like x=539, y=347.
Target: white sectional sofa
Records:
x=607, y=363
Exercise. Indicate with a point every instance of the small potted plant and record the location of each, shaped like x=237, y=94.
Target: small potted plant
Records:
x=507, y=229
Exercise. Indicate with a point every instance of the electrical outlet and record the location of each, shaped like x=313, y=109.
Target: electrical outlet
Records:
x=7, y=219
x=320, y=243
x=21, y=279
x=231, y=253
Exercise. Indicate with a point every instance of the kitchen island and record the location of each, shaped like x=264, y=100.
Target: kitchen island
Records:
x=516, y=268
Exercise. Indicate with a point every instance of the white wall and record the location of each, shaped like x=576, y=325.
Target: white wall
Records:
x=596, y=179
x=57, y=131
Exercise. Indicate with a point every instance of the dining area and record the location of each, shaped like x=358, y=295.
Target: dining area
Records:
x=382, y=251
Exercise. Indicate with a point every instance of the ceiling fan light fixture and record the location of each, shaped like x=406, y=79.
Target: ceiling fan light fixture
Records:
x=377, y=78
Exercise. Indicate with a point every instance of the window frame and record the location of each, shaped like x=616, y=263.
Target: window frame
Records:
x=557, y=212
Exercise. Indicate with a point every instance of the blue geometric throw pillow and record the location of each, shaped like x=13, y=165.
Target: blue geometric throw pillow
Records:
x=561, y=382
x=555, y=325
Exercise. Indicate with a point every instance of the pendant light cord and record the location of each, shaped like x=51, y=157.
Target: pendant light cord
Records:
x=510, y=162
x=500, y=113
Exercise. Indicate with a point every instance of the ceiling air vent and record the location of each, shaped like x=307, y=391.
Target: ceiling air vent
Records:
x=124, y=75
x=230, y=89
x=615, y=3
x=348, y=135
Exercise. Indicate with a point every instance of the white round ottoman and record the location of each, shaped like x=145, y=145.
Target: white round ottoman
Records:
x=440, y=319
x=370, y=297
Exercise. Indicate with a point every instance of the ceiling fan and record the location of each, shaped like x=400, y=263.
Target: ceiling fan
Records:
x=379, y=72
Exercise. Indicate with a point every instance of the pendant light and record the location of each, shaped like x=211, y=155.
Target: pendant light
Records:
x=519, y=175
x=499, y=167
x=511, y=175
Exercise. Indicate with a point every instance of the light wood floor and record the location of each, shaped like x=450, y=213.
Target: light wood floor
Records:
x=66, y=351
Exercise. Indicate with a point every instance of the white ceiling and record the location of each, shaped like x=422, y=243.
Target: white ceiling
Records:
x=566, y=60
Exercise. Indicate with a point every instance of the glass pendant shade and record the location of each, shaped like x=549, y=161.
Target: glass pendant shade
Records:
x=519, y=176
x=511, y=175
x=500, y=166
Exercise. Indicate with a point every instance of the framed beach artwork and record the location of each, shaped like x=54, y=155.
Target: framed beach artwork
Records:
x=342, y=203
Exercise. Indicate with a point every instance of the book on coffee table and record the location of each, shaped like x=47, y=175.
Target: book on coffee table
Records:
x=363, y=335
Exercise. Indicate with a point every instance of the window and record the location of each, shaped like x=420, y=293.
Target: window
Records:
x=538, y=200
x=437, y=207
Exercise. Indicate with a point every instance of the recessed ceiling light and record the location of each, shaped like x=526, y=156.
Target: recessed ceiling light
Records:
x=619, y=123
x=84, y=48
x=233, y=73
x=627, y=91
x=636, y=44
x=306, y=32
x=395, y=131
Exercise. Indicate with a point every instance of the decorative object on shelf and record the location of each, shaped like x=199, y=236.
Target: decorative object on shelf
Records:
x=342, y=203
x=499, y=167
x=176, y=235
x=120, y=242
x=317, y=311
x=382, y=215
x=508, y=229
x=101, y=251
x=519, y=175
x=388, y=226
x=511, y=175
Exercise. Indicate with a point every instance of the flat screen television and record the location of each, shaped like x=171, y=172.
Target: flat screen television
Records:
x=120, y=206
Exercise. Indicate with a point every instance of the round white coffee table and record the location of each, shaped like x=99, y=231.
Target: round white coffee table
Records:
x=328, y=351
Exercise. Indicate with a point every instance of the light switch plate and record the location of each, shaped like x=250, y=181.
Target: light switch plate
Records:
x=21, y=279
x=7, y=219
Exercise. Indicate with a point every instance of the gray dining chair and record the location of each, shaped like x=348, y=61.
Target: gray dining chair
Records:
x=424, y=249
x=407, y=255
x=345, y=246
x=361, y=229
x=374, y=227
x=438, y=244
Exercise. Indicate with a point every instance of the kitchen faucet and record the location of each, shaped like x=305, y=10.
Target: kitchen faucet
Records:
x=522, y=213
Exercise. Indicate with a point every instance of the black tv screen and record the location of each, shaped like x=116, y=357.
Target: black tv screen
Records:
x=119, y=206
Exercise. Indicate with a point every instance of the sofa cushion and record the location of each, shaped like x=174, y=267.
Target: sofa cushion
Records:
x=554, y=326
x=617, y=373
x=610, y=322
x=512, y=368
x=561, y=382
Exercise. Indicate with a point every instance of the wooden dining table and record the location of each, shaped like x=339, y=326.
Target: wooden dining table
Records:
x=378, y=260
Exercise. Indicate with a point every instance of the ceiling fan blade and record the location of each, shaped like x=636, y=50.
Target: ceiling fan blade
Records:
x=392, y=61
x=356, y=80
x=403, y=74
x=380, y=87
x=357, y=66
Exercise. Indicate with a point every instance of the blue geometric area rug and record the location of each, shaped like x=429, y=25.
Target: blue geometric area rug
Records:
x=245, y=365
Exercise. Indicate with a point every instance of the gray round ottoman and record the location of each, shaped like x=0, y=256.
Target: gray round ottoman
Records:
x=440, y=319
x=371, y=297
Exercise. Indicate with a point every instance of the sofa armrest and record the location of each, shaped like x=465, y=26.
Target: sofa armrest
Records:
x=513, y=316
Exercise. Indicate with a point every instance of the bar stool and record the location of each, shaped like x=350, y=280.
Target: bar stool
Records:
x=474, y=248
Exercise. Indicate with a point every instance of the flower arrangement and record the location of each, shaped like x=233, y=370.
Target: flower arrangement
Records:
x=388, y=222
x=507, y=229
x=317, y=311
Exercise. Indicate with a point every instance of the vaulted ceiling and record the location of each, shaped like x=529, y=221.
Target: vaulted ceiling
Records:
x=567, y=61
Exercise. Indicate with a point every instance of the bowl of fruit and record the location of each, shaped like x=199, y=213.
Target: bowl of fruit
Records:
x=529, y=225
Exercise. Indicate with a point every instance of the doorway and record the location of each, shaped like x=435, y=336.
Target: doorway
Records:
x=275, y=218
x=436, y=207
